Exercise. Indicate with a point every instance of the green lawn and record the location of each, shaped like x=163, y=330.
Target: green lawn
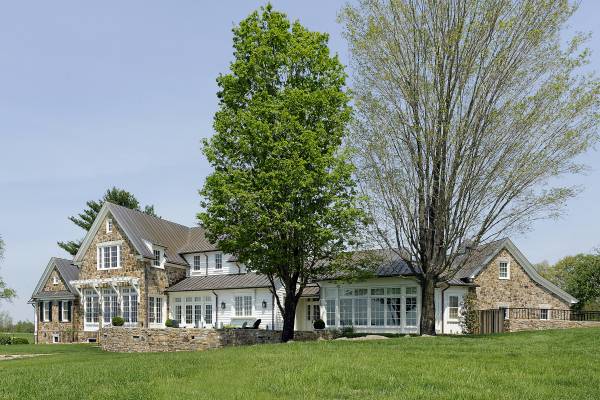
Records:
x=537, y=365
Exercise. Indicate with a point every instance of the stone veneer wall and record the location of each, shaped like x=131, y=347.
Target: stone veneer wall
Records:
x=132, y=340
x=516, y=325
x=67, y=331
x=520, y=291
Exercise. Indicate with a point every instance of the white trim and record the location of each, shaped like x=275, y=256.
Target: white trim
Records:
x=109, y=225
x=507, y=262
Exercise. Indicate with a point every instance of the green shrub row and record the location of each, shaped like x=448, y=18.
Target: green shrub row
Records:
x=6, y=339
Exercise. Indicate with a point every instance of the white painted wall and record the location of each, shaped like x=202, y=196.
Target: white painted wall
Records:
x=442, y=315
x=209, y=256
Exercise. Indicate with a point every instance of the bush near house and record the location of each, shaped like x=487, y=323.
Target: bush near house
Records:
x=118, y=321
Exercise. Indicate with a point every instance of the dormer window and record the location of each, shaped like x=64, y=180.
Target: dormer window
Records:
x=157, y=258
x=197, y=262
x=218, y=261
x=109, y=225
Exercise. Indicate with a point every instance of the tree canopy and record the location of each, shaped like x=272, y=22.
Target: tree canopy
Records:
x=85, y=219
x=281, y=197
x=6, y=293
x=467, y=112
x=579, y=276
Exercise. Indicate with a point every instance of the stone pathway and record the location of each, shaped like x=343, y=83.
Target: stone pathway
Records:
x=6, y=357
x=368, y=337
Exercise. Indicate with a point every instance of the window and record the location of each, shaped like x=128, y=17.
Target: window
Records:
x=197, y=315
x=66, y=311
x=243, y=306
x=544, y=313
x=360, y=311
x=92, y=307
x=109, y=257
x=197, y=261
x=377, y=311
x=109, y=225
x=393, y=311
x=505, y=311
x=178, y=313
x=504, y=270
x=218, y=261
x=452, y=307
x=330, y=312
x=110, y=305
x=130, y=306
x=208, y=313
x=313, y=312
x=55, y=280
x=346, y=312
x=155, y=310
x=47, y=311
x=157, y=258
x=188, y=314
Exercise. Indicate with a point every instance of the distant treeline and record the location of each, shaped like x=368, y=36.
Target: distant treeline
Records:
x=7, y=325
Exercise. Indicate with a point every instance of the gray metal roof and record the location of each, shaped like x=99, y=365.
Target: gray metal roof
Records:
x=66, y=270
x=215, y=282
x=196, y=241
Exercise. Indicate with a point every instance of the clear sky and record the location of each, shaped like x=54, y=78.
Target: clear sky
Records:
x=121, y=92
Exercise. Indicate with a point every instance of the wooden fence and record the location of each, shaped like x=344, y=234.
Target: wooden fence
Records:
x=490, y=321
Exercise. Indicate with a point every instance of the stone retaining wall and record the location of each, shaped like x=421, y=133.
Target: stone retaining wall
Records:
x=516, y=325
x=118, y=339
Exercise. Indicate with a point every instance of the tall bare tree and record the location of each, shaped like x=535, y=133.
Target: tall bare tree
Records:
x=467, y=111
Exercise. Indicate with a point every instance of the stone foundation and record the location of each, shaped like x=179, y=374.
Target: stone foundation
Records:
x=516, y=325
x=136, y=340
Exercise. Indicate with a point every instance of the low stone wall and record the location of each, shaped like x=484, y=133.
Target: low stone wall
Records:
x=118, y=339
x=516, y=325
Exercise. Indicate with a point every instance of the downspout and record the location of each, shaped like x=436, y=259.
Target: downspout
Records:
x=272, y=312
x=442, y=310
x=206, y=257
x=216, y=309
x=35, y=322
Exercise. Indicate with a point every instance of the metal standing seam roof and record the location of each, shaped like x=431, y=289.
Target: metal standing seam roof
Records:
x=215, y=282
x=68, y=272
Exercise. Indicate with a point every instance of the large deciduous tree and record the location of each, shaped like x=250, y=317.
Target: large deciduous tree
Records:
x=6, y=293
x=467, y=111
x=86, y=218
x=281, y=197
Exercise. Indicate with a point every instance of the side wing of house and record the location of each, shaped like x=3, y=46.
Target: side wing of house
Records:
x=508, y=280
x=56, y=303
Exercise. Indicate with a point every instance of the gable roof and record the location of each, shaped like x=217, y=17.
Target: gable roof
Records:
x=67, y=271
x=483, y=255
x=139, y=228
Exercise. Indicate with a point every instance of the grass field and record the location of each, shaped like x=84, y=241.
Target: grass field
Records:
x=533, y=365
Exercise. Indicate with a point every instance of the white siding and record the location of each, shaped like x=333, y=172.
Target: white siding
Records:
x=228, y=266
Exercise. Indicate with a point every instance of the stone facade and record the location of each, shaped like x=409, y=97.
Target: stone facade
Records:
x=67, y=331
x=173, y=339
x=516, y=325
x=520, y=291
x=50, y=286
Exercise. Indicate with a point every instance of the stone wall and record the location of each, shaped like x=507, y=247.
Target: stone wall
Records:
x=50, y=286
x=67, y=331
x=516, y=325
x=176, y=339
x=520, y=291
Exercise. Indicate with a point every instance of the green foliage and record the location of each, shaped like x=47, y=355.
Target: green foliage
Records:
x=5, y=339
x=347, y=331
x=19, y=340
x=319, y=324
x=118, y=321
x=469, y=321
x=6, y=293
x=579, y=276
x=281, y=197
x=169, y=323
x=86, y=218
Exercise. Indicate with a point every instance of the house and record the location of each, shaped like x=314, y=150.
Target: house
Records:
x=147, y=270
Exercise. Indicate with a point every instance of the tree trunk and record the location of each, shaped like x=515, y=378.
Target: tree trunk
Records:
x=289, y=317
x=428, y=306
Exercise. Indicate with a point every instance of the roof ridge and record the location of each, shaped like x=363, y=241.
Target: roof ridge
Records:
x=148, y=215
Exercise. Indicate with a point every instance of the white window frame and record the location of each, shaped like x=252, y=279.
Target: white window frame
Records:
x=109, y=225
x=155, y=311
x=100, y=256
x=55, y=280
x=244, y=308
x=65, y=311
x=500, y=275
x=196, y=267
x=450, y=308
x=158, y=258
x=47, y=310
x=545, y=308
x=219, y=261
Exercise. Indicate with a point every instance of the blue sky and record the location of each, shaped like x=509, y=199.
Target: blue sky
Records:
x=120, y=93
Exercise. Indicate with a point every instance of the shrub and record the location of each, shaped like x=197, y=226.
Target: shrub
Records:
x=170, y=323
x=469, y=320
x=347, y=331
x=20, y=340
x=5, y=339
x=319, y=324
x=118, y=321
